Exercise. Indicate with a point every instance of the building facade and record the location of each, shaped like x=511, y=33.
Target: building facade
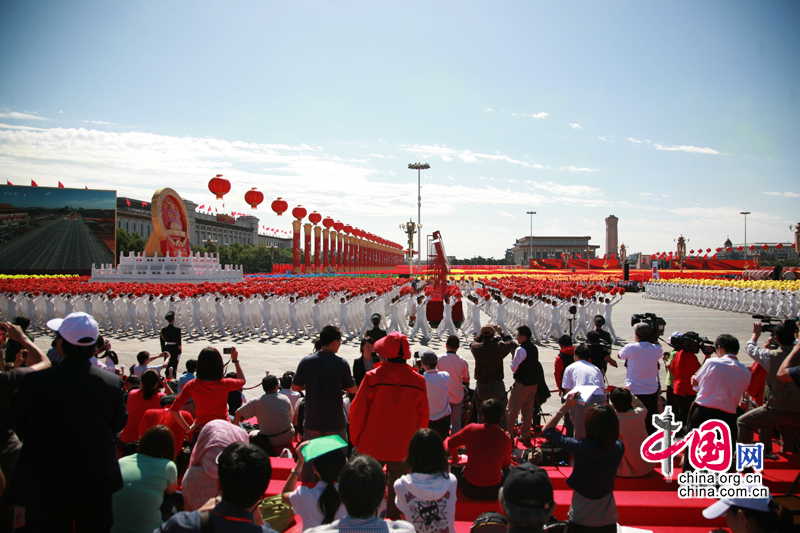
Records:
x=539, y=247
x=135, y=216
x=772, y=253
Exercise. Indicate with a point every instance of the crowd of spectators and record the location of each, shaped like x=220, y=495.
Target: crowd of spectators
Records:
x=125, y=448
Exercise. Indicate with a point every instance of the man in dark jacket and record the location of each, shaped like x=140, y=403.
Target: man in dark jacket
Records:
x=67, y=417
x=171, y=342
x=488, y=352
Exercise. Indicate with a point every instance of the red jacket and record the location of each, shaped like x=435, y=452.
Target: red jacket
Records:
x=390, y=406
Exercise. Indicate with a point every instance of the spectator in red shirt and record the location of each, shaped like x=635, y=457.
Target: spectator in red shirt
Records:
x=163, y=417
x=488, y=451
x=566, y=356
x=139, y=401
x=209, y=390
x=684, y=365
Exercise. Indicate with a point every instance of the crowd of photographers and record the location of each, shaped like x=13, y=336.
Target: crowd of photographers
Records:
x=100, y=455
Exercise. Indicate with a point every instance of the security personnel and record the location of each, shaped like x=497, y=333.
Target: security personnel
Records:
x=376, y=333
x=171, y=342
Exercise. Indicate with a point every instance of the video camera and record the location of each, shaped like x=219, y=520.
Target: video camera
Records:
x=768, y=323
x=656, y=324
x=694, y=343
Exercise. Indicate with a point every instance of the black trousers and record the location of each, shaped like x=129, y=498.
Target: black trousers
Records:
x=699, y=414
x=86, y=514
x=441, y=426
x=650, y=402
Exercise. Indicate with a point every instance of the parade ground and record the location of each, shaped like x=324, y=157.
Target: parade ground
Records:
x=280, y=354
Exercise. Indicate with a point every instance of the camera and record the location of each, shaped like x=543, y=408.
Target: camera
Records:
x=227, y=351
x=768, y=323
x=655, y=322
x=694, y=343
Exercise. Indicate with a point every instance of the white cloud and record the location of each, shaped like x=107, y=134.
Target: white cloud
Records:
x=60, y=111
x=540, y=115
x=20, y=116
x=602, y=138
x=30, y=128
x=565, y=190
x=488, y=109
x=504, y=214
x=578, y=169
x=635, y=141
x=513, y=114
x=645, y=194
x=787, y=194
x=446, y=158
x=693, y=149
x=575, y=126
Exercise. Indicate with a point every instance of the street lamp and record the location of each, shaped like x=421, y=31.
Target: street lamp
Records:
x=745, y=213
x=419, y=167
x=530, y=241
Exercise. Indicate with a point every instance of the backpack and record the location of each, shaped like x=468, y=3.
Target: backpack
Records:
x=489, y=522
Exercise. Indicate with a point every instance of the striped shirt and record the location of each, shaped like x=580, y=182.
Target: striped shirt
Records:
x=489, y=358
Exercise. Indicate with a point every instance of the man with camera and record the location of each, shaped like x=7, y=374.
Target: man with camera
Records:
x=781, y=400
x=641, y=379
x=489, y=352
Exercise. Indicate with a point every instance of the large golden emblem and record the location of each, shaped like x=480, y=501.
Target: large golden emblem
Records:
x=170, y=225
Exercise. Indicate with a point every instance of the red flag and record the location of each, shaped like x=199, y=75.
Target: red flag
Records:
x=60, y=185
x=128, y=201
x=9, y=183
x=144, y=204
x=33, y=184
x=85, y=187
x=202, y=206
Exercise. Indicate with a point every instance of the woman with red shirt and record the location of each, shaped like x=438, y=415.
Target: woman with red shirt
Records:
x=684, y=365
x=139, y=401
x=209, y=390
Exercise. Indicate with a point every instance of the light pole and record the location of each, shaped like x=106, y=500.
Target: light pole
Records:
x=410, y=229
x=419, y=167
x=745, y=213
x=530, y=241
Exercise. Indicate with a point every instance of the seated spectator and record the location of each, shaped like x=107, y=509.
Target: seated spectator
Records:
x=186, y=377
x=749, y=515
x=286, y=390
x=143, y=361
x=148, y=475
x=320, y=504
x=488, y=453
x=427, y=496
x=235, y=397
x=527, y=498
x=362, y=485
x=273, y=412
x=582, y=373
x=244, y=474
x=139, y=401
x=163, y=417
x=200, y=481
x=632, y=432
x=597, y=457
x=209, y=391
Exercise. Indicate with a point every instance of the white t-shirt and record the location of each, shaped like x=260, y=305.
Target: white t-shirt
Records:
x=138, y=369
x=304, y=500
x=643, y=358
x=722, y=381
x=428, y=501
x=438, y=387
x=582, y=373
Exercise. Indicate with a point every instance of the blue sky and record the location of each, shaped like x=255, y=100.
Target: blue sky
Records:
x=672, y=116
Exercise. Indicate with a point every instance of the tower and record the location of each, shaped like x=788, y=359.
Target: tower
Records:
x=611, y=235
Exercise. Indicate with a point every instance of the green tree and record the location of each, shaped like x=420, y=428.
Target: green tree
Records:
x=129, y=242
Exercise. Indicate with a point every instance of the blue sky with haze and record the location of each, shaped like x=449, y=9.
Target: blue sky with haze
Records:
x=673, y=116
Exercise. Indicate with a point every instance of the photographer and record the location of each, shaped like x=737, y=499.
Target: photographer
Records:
x=683, y=366
x=642, y=376
x=489, y=352
x=601, y=355
x=781, y=400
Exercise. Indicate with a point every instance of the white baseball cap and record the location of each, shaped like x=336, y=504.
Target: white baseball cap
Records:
x=79, y=329
x=715, y=510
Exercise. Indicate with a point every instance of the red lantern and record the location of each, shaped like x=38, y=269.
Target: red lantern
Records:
x=280, y=206
x=779, y=246
x=254, y=197
x=219, y=186
x=691, y=252
x=765, y=247
x=728, y=249
x=719, y=250
x=327, y=222
x=751, y=247
x=348, y=229
x=338, y=226
x=739, y=248
x=314, y=218
x=299, y=212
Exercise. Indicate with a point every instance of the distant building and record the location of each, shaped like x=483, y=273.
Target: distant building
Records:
x=772, y=253
x=612, y=240
x=551, y=248
x=133, y=216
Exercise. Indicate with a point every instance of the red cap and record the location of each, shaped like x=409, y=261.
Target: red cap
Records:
x=393, y=345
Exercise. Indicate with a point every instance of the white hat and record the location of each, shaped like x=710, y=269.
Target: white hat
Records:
x=79, y=329
x=715, y=510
